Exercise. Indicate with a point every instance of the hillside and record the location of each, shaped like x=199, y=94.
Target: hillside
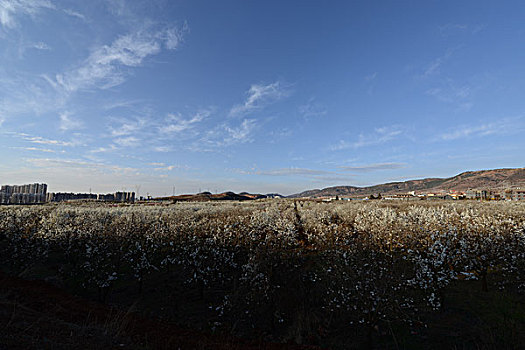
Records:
x=484, y=179
x=207, y=196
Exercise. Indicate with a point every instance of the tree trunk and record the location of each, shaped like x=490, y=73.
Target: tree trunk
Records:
x=484, y=284
x=370, y=338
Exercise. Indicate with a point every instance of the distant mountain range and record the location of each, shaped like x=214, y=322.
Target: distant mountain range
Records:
x=484, y=179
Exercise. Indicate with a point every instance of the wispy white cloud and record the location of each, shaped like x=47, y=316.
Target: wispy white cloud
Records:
x=128, y=126
x=81, y=164
x=21, y=94
x=122, y=104
x=107, y=149
x=334, y=179
x=501, y=127
x=340, y=145
x=68, y=123
x=259, y=96
x=225, y=135
x=314, y=175
x=289, y=172
x=172, y=37
x=41, y=46
x=74, y=13
x=10, y=9
x=125, y=133
x=176, y=123
x=151, y=134
x=102, y=69
x=129, y=141
x=379, y=136
x=373, y=167
x=435, y=65
x=241, y=133
x=452, y=27
x=450, y=93
x=37, y=149
x=49, y=162
x=165, y=167
x=118, y=7
x=275, y=136
x=157, y=134
x=43, y=141
x=312, y=109
x=455, y=28
x=162, y=149
x=457, y=94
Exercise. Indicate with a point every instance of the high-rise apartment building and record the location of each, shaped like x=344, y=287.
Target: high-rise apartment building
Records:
x=23, y=194
x=128, y=197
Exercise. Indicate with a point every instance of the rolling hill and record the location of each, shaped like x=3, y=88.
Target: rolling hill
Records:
x=495, y=179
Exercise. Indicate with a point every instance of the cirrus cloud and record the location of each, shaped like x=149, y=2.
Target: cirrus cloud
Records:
x=10, y=9
x=259, y=96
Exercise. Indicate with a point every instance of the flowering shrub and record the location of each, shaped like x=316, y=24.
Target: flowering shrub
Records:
x=289, y=267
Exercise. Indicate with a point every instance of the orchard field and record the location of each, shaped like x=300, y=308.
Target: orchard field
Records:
x=338, y=275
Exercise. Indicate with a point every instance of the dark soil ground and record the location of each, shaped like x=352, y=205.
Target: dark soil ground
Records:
x=38, y=315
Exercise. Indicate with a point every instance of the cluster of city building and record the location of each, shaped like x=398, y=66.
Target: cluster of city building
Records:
x=128, y=197
x=37, y=193
x=23, y=194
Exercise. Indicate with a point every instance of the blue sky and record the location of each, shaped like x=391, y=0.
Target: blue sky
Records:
x=259, y=96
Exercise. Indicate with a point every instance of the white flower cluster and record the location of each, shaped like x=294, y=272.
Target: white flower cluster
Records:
x=277, y=262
